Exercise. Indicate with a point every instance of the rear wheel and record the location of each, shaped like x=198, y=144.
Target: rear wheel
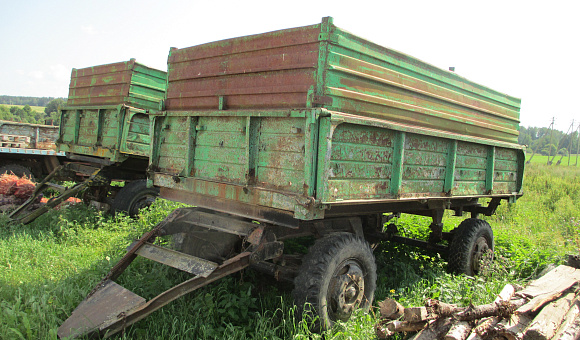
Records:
x=337, y=276
x=473, y=241
x=134, y=196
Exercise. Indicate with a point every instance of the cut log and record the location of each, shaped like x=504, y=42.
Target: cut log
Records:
x=506, y=293
x=572, y=332
x=545, y=324
x=513, y=328
x=459, y=331
x=435, y=330
x=484, y=325
x=386, y=329
x=415, y=314
x=390, y=309
x=548, y=288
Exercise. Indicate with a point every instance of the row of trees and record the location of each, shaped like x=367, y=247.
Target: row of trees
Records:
x=546, y=141
x=26, y=114
x=20, y=100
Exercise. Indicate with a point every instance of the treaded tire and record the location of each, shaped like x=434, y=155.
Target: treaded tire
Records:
x=473, y=237
x=18, y=170
x=134, y=196
x=337, y=275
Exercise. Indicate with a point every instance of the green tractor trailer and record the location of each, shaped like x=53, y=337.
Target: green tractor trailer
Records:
x=313, y=132
x=104, y=133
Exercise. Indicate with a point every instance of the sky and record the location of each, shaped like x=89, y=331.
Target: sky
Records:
x=527, y=49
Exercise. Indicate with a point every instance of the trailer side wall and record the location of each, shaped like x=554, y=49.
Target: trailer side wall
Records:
x=299, y=161
x=324, y=66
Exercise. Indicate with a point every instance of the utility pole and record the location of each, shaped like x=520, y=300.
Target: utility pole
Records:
x=570, y=145
x=577, y=143
x=551, y=135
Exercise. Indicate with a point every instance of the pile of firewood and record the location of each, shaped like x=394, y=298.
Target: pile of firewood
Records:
x=548, y=308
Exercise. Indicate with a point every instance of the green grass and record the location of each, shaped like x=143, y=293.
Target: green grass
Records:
x=48, y=267
x=541, y=159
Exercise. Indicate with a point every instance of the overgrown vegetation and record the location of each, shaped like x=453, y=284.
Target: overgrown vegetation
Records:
x=48, y=267
x=21, y=100
x=31, y=109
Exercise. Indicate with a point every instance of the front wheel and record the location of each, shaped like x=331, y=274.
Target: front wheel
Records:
x=337, y=276
x=134, y=196
x=472, y=241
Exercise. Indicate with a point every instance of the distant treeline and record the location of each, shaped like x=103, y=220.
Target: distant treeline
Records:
x=25, y=114
x=32, y=101
x=545, y=141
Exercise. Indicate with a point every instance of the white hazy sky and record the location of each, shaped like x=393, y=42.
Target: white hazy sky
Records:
x=528, y=49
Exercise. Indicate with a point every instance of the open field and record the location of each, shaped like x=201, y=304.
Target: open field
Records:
x=48, y=267
x=573, y=159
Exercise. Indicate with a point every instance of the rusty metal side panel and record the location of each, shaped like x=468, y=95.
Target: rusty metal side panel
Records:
x=92, y=131
x=281, y=158
x=424, y=165
x=118, y=83
x=246, y=158
x=67, y=127
x=324, y=66
x=221, y=150
x=136, y=138
x=270, y=70
x=360, y=163
x=363, y=78
x=470, y=169
x=100, y=85
x=172, y=146
x=36, y=136
x=88, y=127
x=366, y=162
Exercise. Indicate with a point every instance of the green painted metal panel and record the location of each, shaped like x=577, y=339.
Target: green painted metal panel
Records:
x=304, y=162
x=136, y=134
x=112, y=132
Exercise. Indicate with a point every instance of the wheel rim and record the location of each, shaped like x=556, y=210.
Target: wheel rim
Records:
x=480, y=248
x=142, y=202
x=346, y=290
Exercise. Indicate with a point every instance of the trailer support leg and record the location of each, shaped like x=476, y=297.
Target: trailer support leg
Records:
x=436, y=227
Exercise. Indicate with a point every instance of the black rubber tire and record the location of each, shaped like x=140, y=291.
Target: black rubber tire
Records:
x=134, y=196
x=330, y=279
x=472, y=239
x=18, y=170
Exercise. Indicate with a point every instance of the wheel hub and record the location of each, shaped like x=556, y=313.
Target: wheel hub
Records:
x=480, y=248
x=346, y=291
x=143, y=202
